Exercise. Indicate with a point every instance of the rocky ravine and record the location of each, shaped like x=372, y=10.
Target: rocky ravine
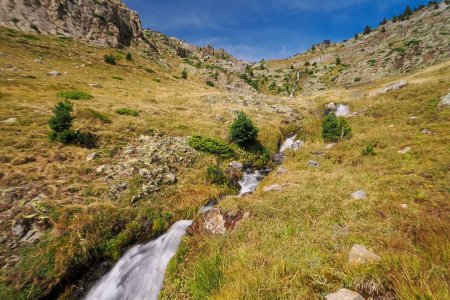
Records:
x=105, y=22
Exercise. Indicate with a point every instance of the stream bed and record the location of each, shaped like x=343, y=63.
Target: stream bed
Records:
x=139, y=274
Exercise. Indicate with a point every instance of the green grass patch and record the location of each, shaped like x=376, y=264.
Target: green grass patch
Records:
x=75, y=95
x=127, y=112
x=206, y=278
x=212, y=146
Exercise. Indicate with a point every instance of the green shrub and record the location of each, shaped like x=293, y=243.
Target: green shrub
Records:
x=211, y=146
x=184, y=74
x=62, y=118
x=215, y=175
x=368, y=150
x=367, y=30
x=75, y=95
x=149, y=70
x=110, y=59
x=243, y=132
x=127, y=112
x=335, y=128
x=338, y=60
x=60, y=124
x=210, y=83
x=129, y=56
x=117, y=78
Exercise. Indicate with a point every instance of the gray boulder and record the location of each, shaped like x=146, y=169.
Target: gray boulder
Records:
x=360, y=255
x=445, y=101
x=342, y=110
x=344, y=294
x=314, y=164
x=359, y=195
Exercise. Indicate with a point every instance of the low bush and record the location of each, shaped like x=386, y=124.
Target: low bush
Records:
x=127, y=112
x=243, y=132
x=129, y=56
x=212, y=146
x=335, y=128
x=215, y=174
x=184, y=74
x=110, y=59
x=75, y=95
x=368, y=150
x=210, y=83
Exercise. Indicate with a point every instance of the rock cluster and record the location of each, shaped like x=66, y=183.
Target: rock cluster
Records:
x=153, y=160
x=106, y=23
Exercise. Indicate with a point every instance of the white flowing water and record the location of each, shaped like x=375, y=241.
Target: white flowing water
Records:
x=249, y=182
x=294, y=88
x=139, y=274
x=288, y=143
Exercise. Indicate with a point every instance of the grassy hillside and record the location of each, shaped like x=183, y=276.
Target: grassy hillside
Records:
x=75, y=209
x=296, y=244
x=66, y=209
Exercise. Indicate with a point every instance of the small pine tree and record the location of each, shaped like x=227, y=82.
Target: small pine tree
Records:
x=384, y=22
x=383, y=29
x=243, y=132
x=129, y=57
x=356, y=36
x=62, y=118
x=335, y=128
x=338, y=60
x=408, y=12
x=313, y=47
x=184, y=74
x=367, y=30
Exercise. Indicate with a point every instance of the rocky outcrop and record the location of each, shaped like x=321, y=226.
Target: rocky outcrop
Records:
x=153, y=160
x=101, y=22
x=217, y=222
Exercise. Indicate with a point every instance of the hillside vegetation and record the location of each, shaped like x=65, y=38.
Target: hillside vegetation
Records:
x=102, y=148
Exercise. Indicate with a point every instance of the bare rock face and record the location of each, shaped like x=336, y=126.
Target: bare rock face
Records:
x=105, y=22
x=344, y=294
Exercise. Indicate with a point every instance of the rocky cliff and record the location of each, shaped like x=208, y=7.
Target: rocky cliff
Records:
x=102, y=22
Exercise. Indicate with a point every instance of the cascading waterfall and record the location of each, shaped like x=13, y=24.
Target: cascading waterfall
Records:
x=139, y=274
x=287, y=143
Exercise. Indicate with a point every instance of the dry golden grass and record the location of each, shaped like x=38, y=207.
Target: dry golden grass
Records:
x=87, y=225
x=296, y=244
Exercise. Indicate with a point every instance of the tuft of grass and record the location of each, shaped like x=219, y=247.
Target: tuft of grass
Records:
x=92, y=114
x=206, y=277
x=75, y=95
x=127, y=112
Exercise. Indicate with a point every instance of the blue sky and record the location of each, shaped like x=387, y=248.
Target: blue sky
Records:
x=255, y=29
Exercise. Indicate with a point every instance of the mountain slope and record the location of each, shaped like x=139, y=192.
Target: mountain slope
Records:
x=389, y=50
